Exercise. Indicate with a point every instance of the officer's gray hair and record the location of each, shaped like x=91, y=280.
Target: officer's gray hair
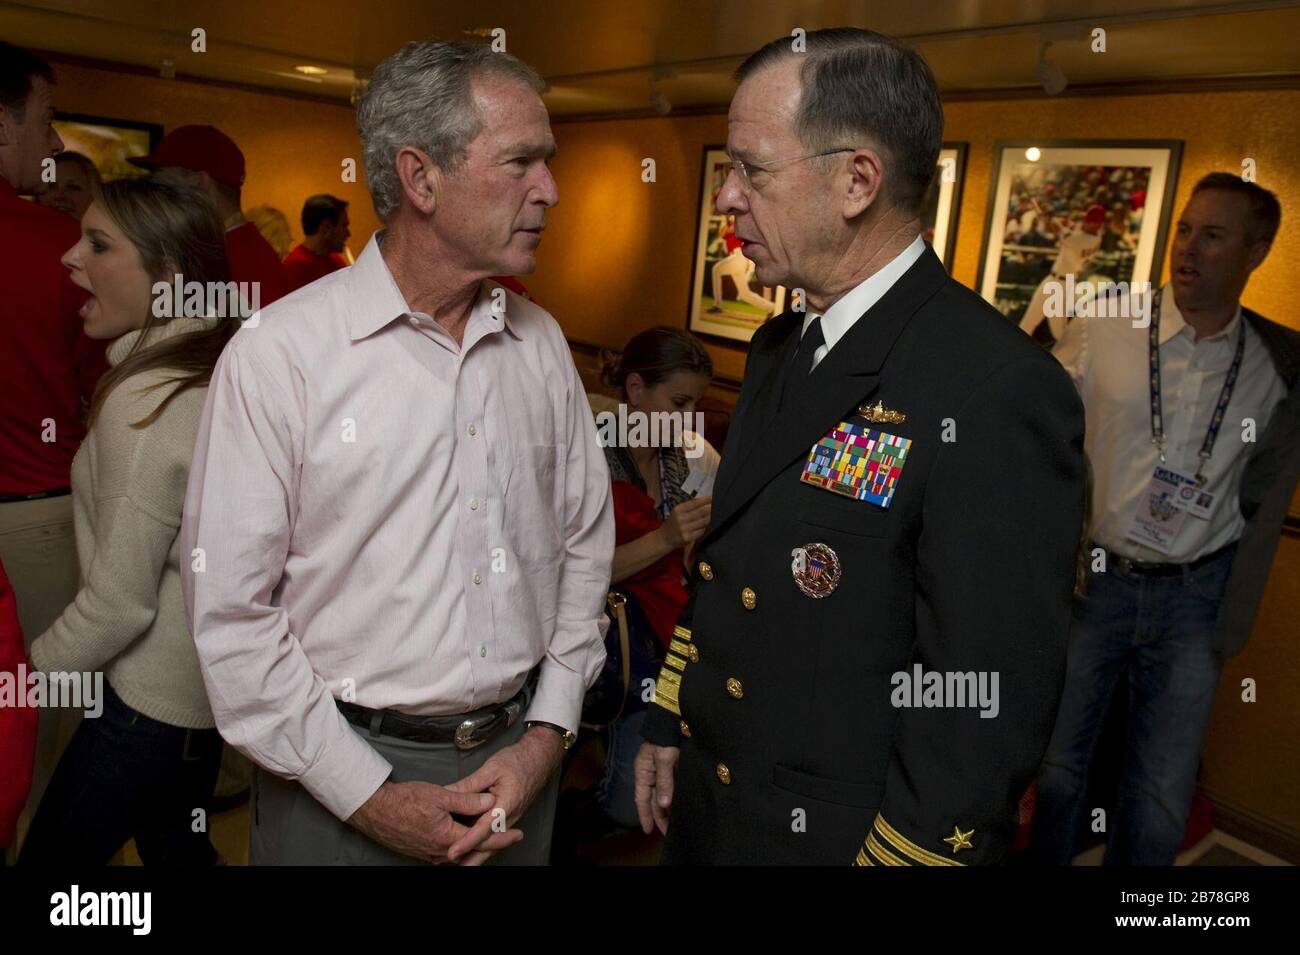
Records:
x=421, y=96
x=861, y=85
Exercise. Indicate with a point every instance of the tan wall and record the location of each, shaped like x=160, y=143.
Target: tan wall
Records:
x=293, y=147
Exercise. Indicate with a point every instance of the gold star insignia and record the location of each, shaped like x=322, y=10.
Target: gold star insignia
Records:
x=959, y=840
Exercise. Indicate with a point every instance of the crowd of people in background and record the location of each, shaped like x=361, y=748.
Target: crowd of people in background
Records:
x=157, y=524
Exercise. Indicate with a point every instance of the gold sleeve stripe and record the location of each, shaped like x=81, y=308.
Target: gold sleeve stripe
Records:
x=863, y=859
x=676, y=662
x=681, y=648
x=907, y=847
x=666, y=691
x=681, y=633
x=880, y=852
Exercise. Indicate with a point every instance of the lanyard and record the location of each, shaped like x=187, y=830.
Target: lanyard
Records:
x=1225, y=395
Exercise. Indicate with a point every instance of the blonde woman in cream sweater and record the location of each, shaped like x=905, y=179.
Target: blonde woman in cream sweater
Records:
x=140, y=768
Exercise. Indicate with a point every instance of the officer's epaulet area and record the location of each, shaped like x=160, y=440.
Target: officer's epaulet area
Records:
x=670, y=674
x=885, y=845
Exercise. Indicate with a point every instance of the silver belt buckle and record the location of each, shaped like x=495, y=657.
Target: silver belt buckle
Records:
x=466, y=730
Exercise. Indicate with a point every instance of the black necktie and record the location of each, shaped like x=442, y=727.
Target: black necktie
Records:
x=812, y=340
x=802, y=365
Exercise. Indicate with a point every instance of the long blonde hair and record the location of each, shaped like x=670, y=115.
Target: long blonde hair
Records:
x=176, y=230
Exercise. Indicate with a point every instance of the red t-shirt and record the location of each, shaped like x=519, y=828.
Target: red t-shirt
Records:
x=253, y=260
x=302, y=266
x=657, y=589
x=17, y=723
x=48, y=367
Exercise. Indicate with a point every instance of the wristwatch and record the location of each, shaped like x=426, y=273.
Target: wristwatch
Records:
x=569, y=737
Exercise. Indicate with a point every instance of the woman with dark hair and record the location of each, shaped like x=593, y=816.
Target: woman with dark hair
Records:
x=145, y=765
x=657, y=521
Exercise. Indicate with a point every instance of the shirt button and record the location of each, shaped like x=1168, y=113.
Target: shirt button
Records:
x=734, y=688
x=478, y=578
x=749, y=598
x=482, y=651
x=472, y=431
x=724, y=774
x=473, y=504
x=413, y=320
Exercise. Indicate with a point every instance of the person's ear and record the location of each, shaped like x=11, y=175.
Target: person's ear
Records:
x=635, y=386
x=421, y=180
x=1257, y=252
x=866, y=182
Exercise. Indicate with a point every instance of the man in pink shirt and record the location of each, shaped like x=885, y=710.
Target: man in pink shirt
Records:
x=399, y=515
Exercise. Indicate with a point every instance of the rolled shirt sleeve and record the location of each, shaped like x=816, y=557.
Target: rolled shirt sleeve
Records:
x=239, y=511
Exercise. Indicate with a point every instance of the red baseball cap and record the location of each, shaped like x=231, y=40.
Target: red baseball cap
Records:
x=1095, y=213
x=200, y=148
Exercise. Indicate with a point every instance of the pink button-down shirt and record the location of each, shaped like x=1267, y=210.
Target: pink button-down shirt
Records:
x=378, y=515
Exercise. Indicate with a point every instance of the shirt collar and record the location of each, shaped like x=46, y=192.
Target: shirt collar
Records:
x=377, y=301
x=1172, y=322
x=841, y=316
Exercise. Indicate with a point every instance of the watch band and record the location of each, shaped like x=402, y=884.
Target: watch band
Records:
x=567, y=736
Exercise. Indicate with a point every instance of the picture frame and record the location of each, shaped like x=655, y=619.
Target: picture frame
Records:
x=942, y=205
x=108, y=142
x=719, y=268
x=1095, y=210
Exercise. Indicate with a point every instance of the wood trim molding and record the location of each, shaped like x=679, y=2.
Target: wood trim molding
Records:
x=1259, y=830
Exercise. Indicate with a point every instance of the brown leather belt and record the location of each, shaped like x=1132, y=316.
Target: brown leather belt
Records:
x=466, y=732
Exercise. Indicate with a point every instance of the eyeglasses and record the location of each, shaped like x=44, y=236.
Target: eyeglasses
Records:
x=746, y=169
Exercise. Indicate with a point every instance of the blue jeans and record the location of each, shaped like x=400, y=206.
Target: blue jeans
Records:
x=617, y=791
x=1160, y=633
x=126, y=775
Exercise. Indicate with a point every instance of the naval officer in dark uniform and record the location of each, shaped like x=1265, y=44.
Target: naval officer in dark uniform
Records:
x=871, y=662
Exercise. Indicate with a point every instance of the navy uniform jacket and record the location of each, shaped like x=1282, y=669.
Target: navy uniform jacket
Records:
x=792, y=747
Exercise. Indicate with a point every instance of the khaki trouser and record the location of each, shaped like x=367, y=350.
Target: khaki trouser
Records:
x=39, y=551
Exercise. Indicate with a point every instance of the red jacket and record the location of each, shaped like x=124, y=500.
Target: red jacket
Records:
x=302, y=266
x=657, y=589
x=17, y=723
x=48, y=367
x=253, y=260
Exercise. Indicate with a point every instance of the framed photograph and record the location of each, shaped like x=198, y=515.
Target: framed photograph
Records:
x=1092, y=212
x=727, y=301
x=108, y=142
x=943, y=201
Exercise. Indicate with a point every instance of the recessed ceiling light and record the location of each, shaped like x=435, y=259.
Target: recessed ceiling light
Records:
x=311, y=70
x=1033, y=154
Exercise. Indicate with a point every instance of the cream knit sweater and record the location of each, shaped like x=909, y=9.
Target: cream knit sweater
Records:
x=128, y=486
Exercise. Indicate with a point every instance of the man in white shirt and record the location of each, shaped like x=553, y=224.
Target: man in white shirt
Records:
x=399, y=511
x=1176, y=460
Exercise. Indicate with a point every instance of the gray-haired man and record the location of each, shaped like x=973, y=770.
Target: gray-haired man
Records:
x=398, y=506
x=871, y=660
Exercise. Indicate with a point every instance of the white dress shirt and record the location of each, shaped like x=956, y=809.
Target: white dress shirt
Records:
x=840, y=317
x=383, y=516
x=1107, y=358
